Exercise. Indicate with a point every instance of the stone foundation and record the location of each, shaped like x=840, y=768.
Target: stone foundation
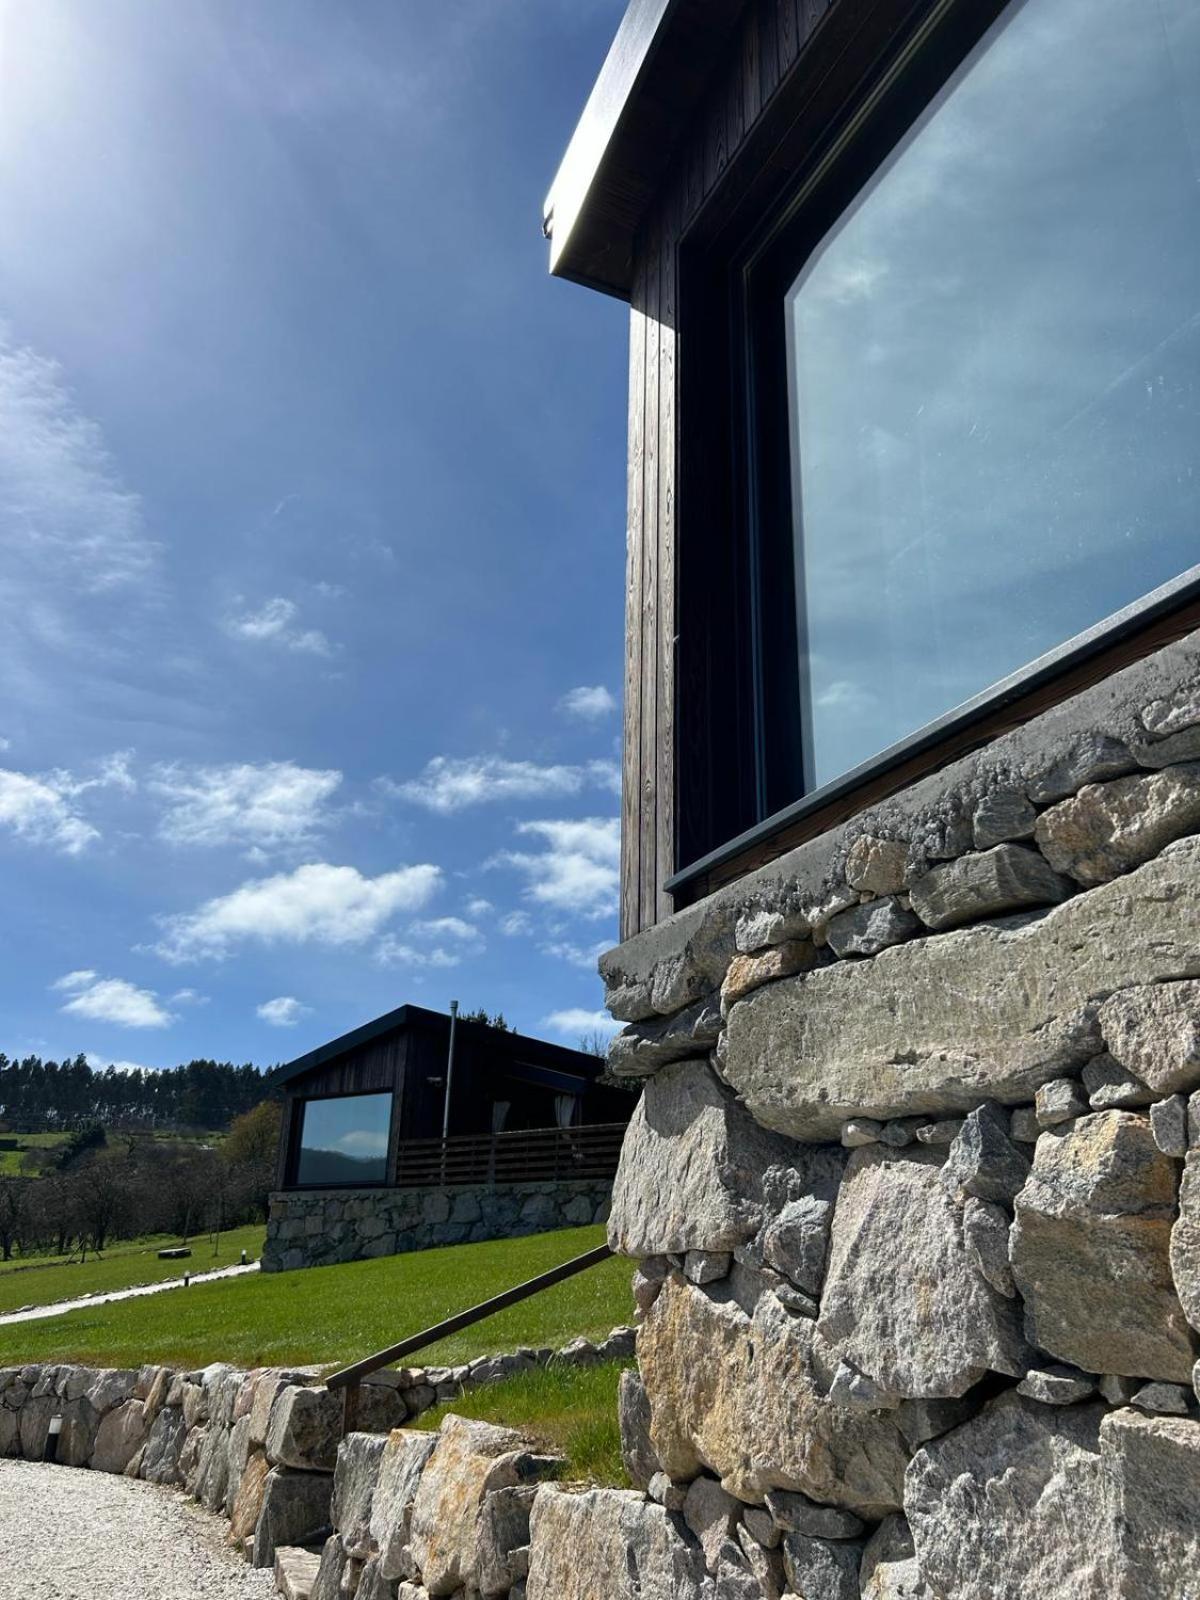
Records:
x=321, y=1227
x=914, y=1189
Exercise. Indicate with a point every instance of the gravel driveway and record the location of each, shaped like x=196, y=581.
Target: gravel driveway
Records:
x=71, y=1535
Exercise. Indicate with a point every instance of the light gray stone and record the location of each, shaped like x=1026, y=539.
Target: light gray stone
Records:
x=1002, y=815
x=1169, y=1120
x=821, y=1567
x=983, y=1161
x=327, y=1585
x=1154, y=1031
x=470, y=1460
x=985, y=1234
x=889, y=1569
x=503, y=1531
x=305, y=1429
x=796, y=1513
x=1061, y=1100
x=120, y=1435
x=706, y=1266
x=1013, y=1504
x=1107, y=828
x=1023, y=1125
x=633, y=1411
x=665, y=1493
x=761, y=1526
x=1057, y=1385
x=1090, y=758
x=867, y=929
x=1153, y=1466
x=295, y=1511
x=1185, y=1244
x=644, y=1047
x=765, y=1563
x=295, y=1573
x=754, y=1408
x=989, y=883
x=1171, y=714
x=359, y=1459
x=876, y=866
x=860, y=1131
x=796, y=1241
x=759, y=928
x=942, y=1132
x=647, y=1281
x=712, y=1515
x=405, y=1455
x=987, y=1013
x=919, y=1420
x=1170, y=1399
x=1089, y=1250
x=1109, y=1086
x=1116, y=1390
x=692, y=1168
x=608, y=1544
x=904, y=1303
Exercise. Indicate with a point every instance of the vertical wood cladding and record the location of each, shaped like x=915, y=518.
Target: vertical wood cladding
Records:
x=766, y=46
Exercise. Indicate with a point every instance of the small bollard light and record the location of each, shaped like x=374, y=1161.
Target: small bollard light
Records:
x=52, y=1433
x=243, y=1258
x=187, y=1279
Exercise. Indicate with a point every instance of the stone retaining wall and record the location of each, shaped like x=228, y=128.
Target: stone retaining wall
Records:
x=321, y=1227
x=914, y=1189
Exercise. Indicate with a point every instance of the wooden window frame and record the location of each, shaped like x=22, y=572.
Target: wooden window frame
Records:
x=729, y=813
x=300, y=1103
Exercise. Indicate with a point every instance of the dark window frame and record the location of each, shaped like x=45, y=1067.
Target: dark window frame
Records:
x=736, y=600
x=302, y=1101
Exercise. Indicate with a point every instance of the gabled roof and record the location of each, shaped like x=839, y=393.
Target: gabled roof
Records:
x=650, y=84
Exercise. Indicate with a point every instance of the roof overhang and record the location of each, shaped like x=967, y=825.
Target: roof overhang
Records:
x=659, y=65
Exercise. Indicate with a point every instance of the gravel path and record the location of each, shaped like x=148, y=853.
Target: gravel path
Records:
x=59, y=1307
x=72, y=1535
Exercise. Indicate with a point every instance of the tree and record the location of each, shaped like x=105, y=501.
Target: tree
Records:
x=594, y=1044
x=481, y=1016
x=13, y=1209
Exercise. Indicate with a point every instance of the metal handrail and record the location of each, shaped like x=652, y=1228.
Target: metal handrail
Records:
x=349, y=1378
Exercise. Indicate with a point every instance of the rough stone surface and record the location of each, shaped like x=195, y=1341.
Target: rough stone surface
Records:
x=119, y=1437
x=796, y=1513
x=644, y=1047
x=1011, y=1505
x=502, y=1530
x=706, y=1266
x=609, y=1544
x=904, y=1302
x=306, y=1424
x=1154, y=1489
x=1169, y=1120
x=985, y=1235
x=692, y=1168
x=1170, y=1399
x=819, y=1567
x=1089, y=1250
x=892, y=1036
x=248, y=1503
x=876, y=866
x=890, y=1570
x=1107, y=828
x=1109, y=1087
x=470, y=1460
x=295, y=1511
x=359, y=1458
x=1185, y=1241
x=1154, y=1031
x=1057, y=1385
x=404, y=1457
x=754, y=1410
x=748, y=972
x=1002, y=815
x=983, y=1161
x=867, y=929
x=1007, y=878
x=796, y=1241
x=1059, y=1101
x=633, y=1411
x=712, y=1515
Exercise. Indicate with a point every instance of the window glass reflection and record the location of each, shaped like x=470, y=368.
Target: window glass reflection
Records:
x=345, y=1140
x=993, y=373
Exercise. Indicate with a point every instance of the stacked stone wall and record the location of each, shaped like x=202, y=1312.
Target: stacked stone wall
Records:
x=323, y=1227
x=914, y=1188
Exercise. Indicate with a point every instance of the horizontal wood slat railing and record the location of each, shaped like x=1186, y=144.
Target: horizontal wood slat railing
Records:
x=349, y=1378
x=538, y=1155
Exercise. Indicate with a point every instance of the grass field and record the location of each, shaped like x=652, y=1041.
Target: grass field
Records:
x=41, y=1144
x=333, y=1315
x=571, y=1411
x=41, y=1280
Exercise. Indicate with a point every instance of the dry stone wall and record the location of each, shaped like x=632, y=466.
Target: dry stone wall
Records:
x=322, y=1227
x=914, y=1193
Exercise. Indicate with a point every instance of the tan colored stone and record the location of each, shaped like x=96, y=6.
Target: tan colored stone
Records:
x=608, y=1544
x=1153, y=1470
x=1107, y=828
x=876, y=866
x=741, y=1395
x=1089, y=1250
x=985, y=1013
x=469, y=1460
x=749, y=972
x=248, y=1503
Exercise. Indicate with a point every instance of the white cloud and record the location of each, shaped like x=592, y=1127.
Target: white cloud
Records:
x=315, y=904
x=396, y=952
x=112, y=772
x=112, y=1000
x=448, y=784
x=515, y=924
x=578, y=871
x=435, y=942
x=66, y=515
x=448, y=928
x=35, y=810
x=282, y=1012
x=265, y=805
x=275, y=623
x=478, y=907
x=583, y=956
x=188, y=997
x=574, y=1021
x=606, y=775
x=588, y=704
x=101, y=1063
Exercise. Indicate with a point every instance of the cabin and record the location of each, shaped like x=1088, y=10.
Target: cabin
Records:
x=416, y=1115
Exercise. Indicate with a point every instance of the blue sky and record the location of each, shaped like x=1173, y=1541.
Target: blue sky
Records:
x=312, y=512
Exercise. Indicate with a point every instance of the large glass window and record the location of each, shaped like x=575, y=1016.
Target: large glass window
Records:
x=344, y=1140
x=994, y=374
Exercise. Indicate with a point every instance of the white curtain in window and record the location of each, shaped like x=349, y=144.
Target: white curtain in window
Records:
x=564, y=1109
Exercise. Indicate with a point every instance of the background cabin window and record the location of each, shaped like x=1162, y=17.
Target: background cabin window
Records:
x=344, y=1140
x=993, y=375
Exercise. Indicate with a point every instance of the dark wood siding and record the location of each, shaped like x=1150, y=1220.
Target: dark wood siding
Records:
x=765, y=50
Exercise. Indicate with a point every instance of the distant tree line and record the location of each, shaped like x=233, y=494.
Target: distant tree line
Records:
x=37, y=1095
x=105, y=1186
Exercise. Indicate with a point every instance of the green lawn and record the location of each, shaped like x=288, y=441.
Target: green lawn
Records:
x=571, y=1411
x=40, y=1281
x=41, y=1143
x=333, y=1315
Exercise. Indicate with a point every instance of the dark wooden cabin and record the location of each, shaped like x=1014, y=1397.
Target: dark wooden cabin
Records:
x=367, y=1109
